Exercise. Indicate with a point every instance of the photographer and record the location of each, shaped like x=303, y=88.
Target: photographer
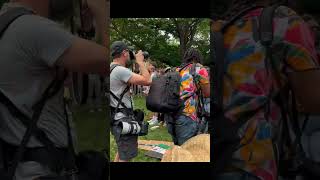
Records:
x=120, y=80
x=32, y=48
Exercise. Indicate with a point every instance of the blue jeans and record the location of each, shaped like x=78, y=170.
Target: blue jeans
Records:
x=182, y=129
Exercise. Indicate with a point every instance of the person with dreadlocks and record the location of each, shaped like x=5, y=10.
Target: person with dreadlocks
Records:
x=247, y=84
x=194, y=77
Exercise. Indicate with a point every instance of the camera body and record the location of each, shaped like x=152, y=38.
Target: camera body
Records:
x=132, y=53
x=132, y=57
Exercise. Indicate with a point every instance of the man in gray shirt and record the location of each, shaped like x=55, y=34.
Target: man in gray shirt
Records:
x=120, y=78
x=31, y=50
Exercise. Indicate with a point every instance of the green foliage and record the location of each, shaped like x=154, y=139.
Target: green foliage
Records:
x=161, y=36
x=2, y=2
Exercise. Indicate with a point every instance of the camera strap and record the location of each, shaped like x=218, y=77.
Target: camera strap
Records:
x=30, y=123
x=71, y=161
x=119, y=99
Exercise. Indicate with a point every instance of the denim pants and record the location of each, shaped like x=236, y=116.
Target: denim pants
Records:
x=182, y=129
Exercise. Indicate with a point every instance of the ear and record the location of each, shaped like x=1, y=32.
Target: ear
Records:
x=124, y=54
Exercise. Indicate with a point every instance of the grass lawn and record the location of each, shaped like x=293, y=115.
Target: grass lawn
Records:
x=157, y=134
x=91, y=129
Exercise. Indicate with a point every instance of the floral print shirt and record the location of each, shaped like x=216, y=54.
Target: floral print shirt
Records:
x=246, y=85
x=189, y=86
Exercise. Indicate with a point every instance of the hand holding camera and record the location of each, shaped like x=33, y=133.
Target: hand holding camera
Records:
x=139, y=58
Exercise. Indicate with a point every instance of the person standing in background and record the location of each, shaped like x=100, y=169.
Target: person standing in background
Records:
x=95, y=93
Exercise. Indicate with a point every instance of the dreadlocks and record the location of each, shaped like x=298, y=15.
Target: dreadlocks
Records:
x=236, y=7
x=192, y=55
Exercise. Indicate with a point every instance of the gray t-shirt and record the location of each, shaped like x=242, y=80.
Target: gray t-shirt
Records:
x=29, y=50
x=118, y=82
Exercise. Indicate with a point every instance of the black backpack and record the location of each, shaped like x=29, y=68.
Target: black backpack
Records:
x=164, y=93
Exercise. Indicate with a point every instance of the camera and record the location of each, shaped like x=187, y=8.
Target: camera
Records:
x=134, y=125
x=146, y=55
x=132, y=53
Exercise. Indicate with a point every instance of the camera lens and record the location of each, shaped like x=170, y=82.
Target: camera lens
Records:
x=130, y=127
x=146, y=55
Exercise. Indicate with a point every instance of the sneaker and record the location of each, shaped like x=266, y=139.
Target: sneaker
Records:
x=100, y=110
x=154, y=123
x=154, y=127
x=151, y=120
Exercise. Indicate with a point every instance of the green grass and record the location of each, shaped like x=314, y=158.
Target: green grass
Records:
x=157, y=134
x=92, y=129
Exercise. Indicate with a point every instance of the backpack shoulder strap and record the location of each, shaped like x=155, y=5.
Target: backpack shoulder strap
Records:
x=200, y=107
x=266, y=39
x=8, y=17
x=220, y=126
x=119, y=99
x=266, y=25
x=218, y=56
x=31, y=123
x=113, y=66
x=183, y=66
x=193, y=74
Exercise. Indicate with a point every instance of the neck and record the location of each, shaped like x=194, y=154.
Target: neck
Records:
x=118, y=61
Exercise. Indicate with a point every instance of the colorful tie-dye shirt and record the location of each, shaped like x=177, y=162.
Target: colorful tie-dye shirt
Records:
x=188, y=88
x=246, y=85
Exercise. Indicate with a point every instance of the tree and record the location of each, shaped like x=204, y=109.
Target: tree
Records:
x=108, y=23
x=185, y=30
x=166, y=39
x=2, y=2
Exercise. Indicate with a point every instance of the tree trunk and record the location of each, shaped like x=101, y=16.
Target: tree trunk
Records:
x=183, y=45
x=108, y=27
x=186, y=32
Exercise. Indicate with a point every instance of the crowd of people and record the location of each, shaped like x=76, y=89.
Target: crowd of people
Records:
x=182, y=125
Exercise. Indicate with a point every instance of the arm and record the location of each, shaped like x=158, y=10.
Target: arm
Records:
x=85, y=56
x=299, y=40
x=203, y=80
x=143, y=79
x=55, y=46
